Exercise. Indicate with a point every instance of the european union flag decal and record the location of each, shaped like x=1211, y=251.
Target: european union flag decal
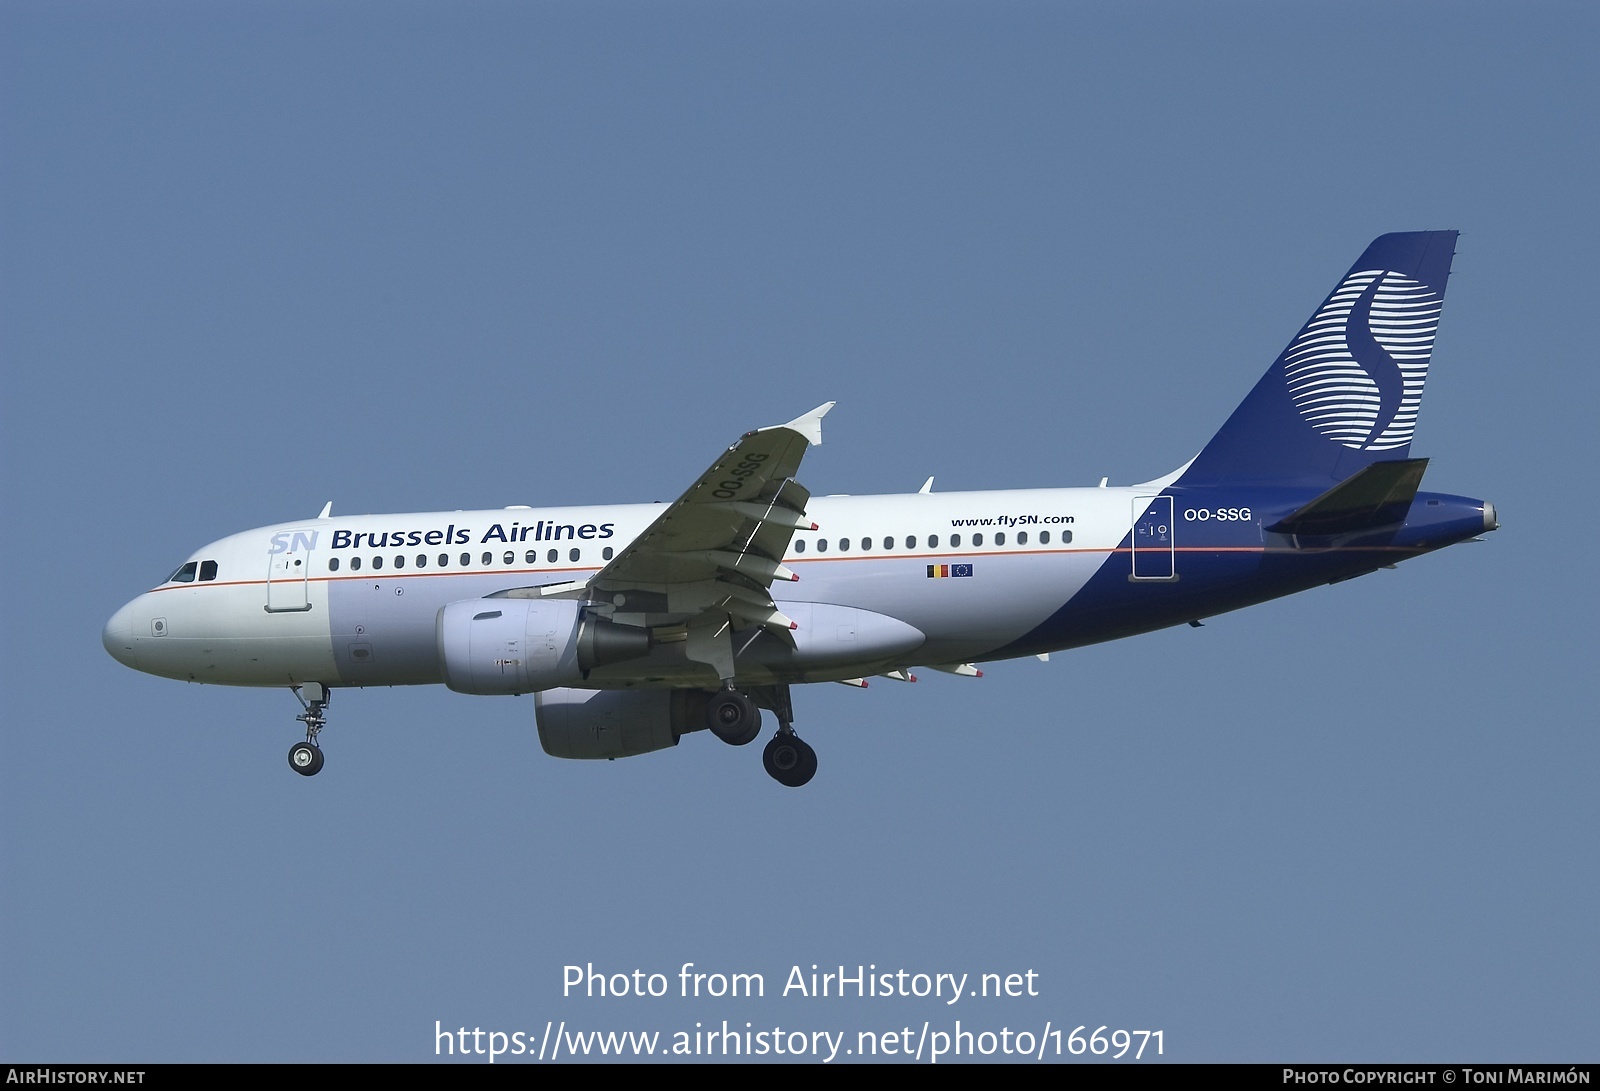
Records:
x=945, y=571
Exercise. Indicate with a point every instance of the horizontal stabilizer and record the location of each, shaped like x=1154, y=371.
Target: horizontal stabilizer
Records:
x=1377, y=496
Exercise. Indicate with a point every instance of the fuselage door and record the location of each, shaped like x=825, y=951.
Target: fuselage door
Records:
x=1154, y=551
x=288, y=566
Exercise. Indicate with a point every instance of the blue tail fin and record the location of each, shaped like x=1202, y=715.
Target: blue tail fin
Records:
x=1345, y=393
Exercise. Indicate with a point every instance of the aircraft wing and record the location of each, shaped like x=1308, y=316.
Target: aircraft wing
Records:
x=709, y=560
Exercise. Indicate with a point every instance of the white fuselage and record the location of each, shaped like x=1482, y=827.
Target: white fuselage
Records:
x=353, y=601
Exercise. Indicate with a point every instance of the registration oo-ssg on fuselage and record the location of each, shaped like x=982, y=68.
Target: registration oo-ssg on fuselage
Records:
x=634, y=625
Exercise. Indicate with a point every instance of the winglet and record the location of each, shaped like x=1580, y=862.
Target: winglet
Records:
x=809, y=424
x=927, y=487
x=327, y=510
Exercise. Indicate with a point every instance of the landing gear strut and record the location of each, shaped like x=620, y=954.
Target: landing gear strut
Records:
x=305, y=758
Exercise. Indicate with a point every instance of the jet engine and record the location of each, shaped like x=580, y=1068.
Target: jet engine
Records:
x=586, y=723
x=510, y=646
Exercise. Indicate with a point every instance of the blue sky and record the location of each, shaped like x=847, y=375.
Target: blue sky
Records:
x=416, y=257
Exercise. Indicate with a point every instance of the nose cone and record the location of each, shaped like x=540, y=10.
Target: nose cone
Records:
x=119, y=636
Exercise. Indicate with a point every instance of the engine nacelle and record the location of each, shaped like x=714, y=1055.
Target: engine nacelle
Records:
x=586, y=723
x=510, y=646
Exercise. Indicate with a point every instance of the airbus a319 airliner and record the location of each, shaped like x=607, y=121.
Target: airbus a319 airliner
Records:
x=634, y=625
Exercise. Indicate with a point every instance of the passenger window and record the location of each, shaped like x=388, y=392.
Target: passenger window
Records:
x=1000, y=538
x=1066, y=536
x=800, y=545
x=333, y=564
x=355, y=564
x=531, y=557
x=377, y=562
x=208, y=570
x=955, y=540
x=1022, y=537
x=888, y=543
x=606, y=553
x=422, y=560
x=444, y=560
x=822, y=545
x=844, y=545
x=511, y=558
x=399, y=562
x=1044, y=537
x=911, y=541
x=574, y=555
x=466, y=560
x=933, y=541
x=184, y=574
x=977, y=539
x=550, y=558
x=866, y=544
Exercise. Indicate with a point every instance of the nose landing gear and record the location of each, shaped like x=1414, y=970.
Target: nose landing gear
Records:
x=305, y=758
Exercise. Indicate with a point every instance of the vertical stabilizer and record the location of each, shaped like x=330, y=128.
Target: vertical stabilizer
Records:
x=1345, y=393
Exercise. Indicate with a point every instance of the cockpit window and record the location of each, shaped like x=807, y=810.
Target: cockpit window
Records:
x=208, y=570
x=184, y=574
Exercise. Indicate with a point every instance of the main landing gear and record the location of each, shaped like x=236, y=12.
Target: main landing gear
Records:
x=735, y=718
x=789, y=759
x=305, y=758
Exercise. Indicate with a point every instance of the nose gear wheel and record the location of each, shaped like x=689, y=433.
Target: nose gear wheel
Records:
x=305, y=758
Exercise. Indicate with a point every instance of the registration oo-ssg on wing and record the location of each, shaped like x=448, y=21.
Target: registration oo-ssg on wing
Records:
x=635, y=625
